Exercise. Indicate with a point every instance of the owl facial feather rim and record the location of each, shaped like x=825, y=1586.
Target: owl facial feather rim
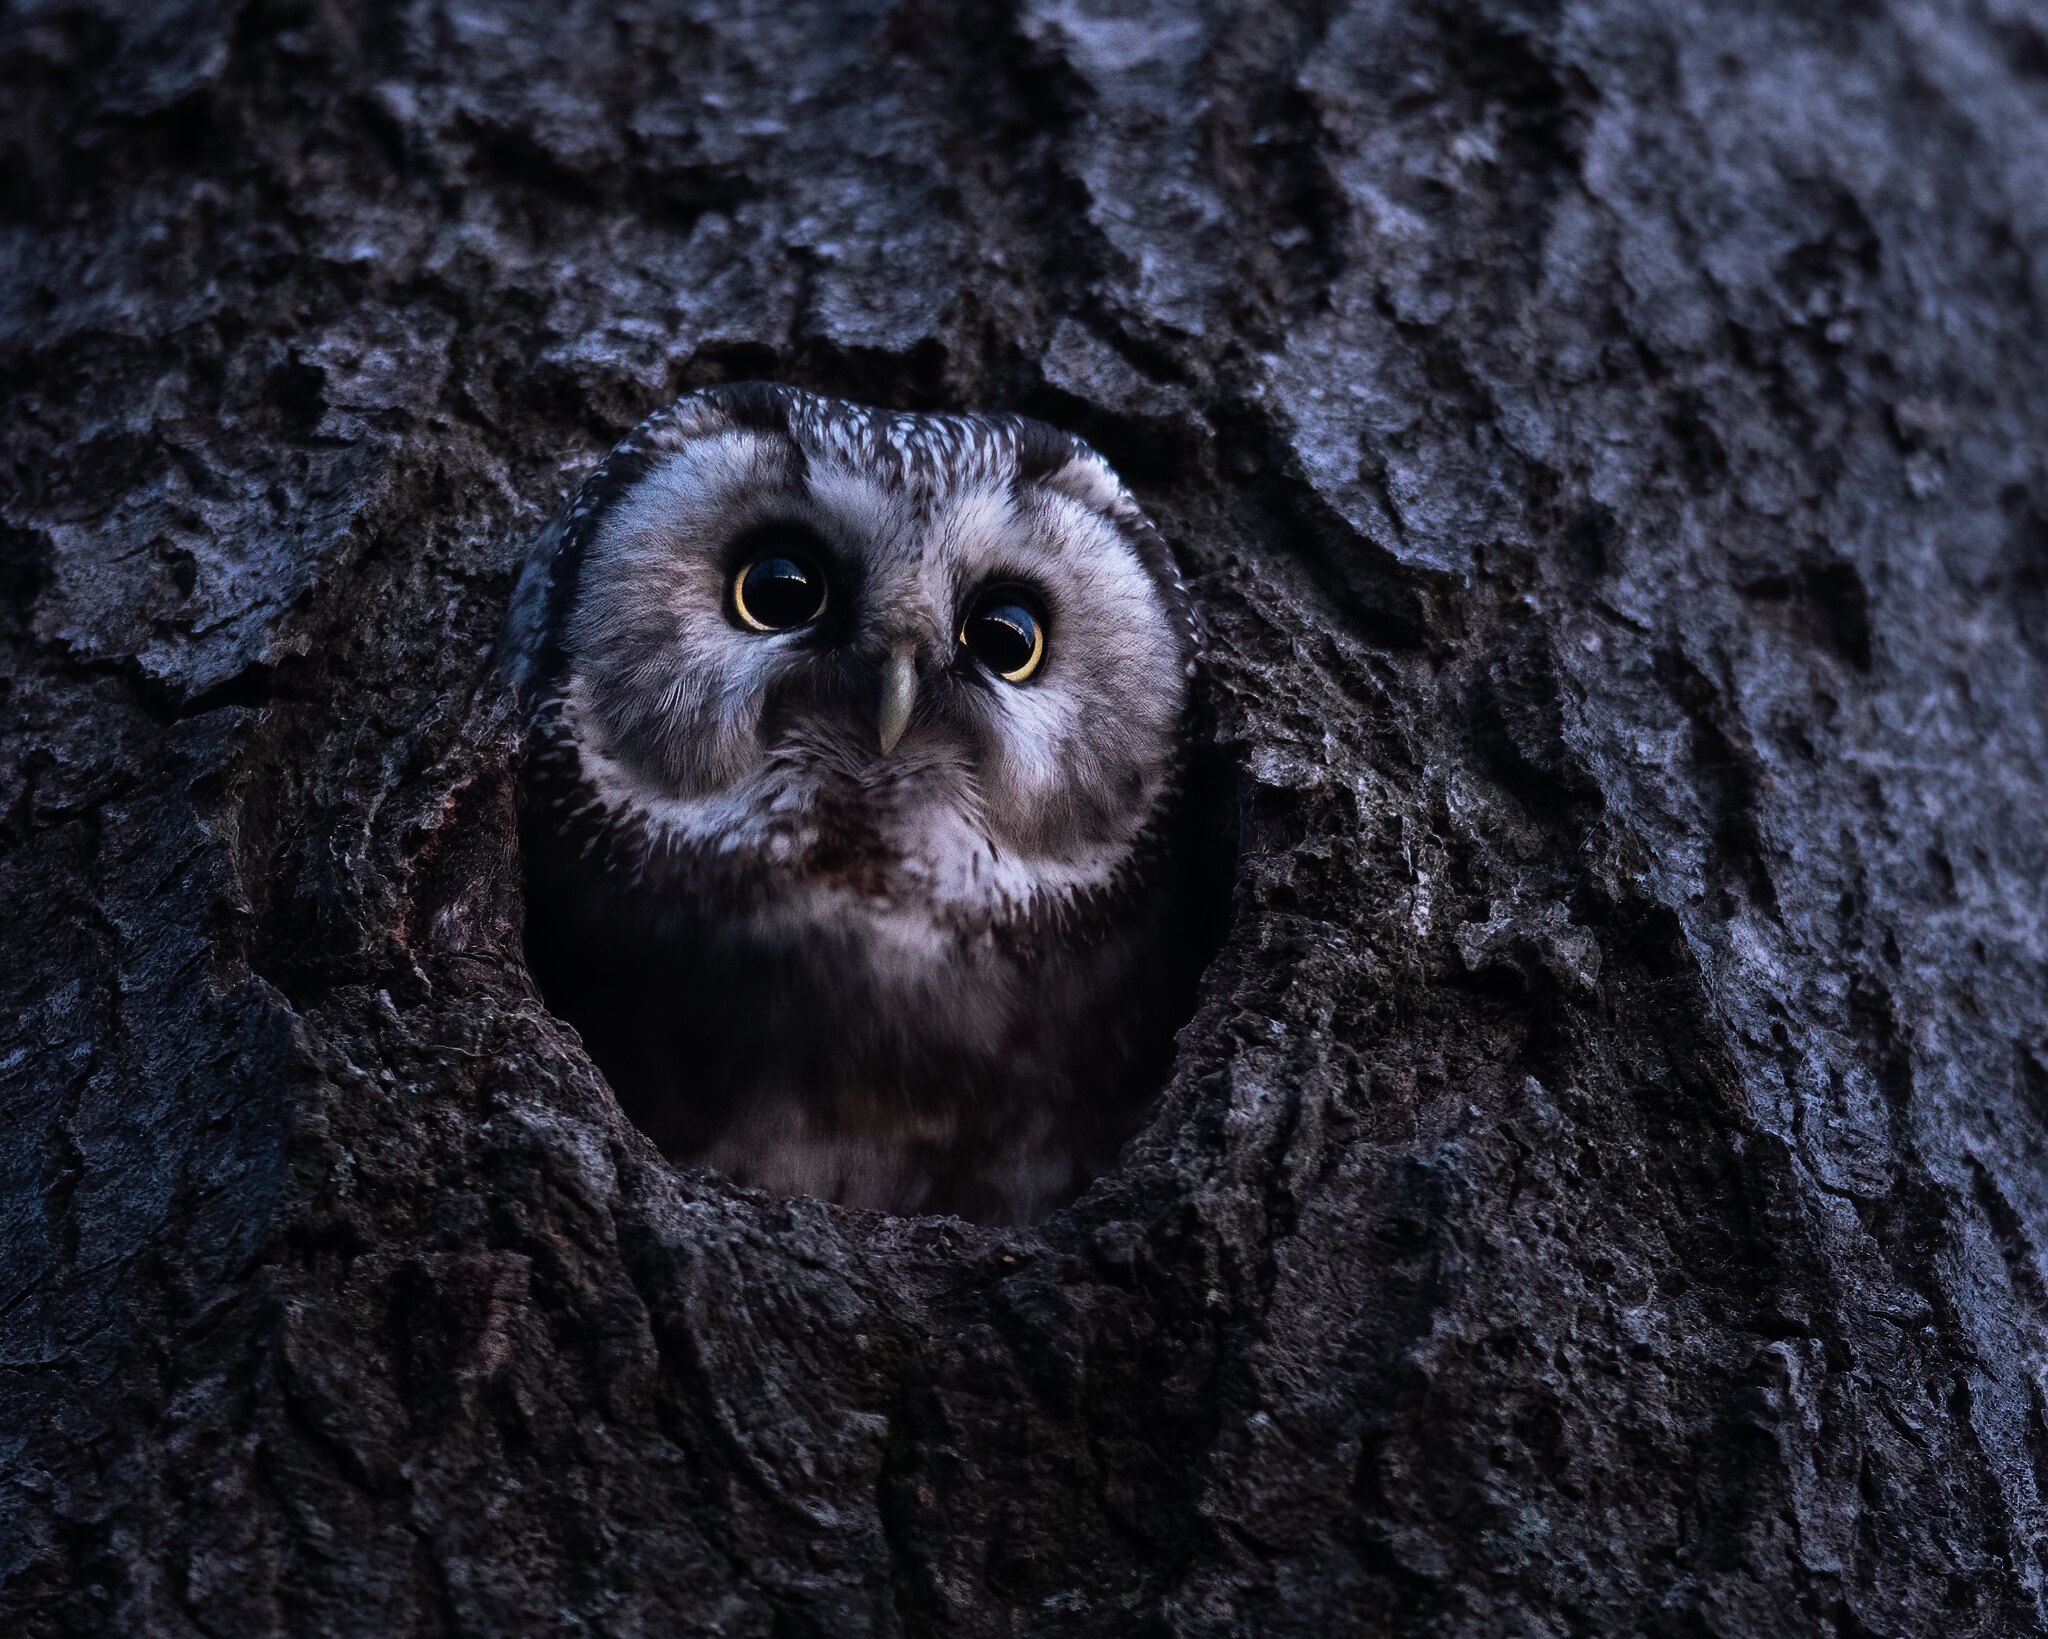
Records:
x=937, y=452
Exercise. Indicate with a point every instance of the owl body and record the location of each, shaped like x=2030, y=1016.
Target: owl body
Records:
x=856, y=743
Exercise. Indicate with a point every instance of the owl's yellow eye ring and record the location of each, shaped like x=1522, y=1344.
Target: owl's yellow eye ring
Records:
x=1005, y=631
x=778, y=593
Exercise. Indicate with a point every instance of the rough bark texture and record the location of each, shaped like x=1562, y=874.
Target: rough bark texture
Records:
x=1605, y=1185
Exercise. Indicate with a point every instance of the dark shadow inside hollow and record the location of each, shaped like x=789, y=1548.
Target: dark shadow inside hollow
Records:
x=682, y=1018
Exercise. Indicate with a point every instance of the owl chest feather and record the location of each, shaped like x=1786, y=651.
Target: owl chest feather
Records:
x=847, y=1044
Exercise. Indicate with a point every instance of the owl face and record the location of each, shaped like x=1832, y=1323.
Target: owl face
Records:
x=930, y=661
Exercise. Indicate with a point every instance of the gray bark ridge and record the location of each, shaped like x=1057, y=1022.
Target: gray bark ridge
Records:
x=1602, y=1187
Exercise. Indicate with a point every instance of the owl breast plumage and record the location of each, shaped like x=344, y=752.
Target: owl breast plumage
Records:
x=856, y=746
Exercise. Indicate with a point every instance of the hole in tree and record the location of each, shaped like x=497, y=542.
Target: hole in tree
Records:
x=875, y=956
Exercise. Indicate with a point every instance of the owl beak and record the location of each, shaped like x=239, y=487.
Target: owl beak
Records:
x=899, y=694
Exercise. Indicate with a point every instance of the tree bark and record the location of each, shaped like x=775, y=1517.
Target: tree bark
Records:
x=1604, y=1187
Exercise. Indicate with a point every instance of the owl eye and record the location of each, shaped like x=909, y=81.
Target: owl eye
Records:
x=778, y=591
x=1005, y=631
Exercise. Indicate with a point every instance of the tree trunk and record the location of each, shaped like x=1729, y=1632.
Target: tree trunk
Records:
x=1604, y=1187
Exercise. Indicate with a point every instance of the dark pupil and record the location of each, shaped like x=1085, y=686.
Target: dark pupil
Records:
x=1001, y=636
x=781, y=592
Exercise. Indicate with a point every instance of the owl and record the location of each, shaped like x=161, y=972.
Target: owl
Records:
x=857, y=745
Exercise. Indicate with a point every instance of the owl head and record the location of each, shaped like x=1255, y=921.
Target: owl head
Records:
x=787, y=644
